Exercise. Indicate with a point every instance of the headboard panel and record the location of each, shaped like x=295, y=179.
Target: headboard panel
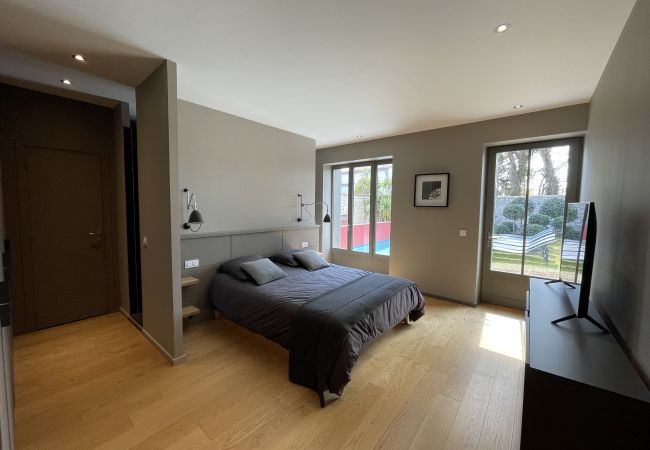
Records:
x=209, y=250
x=264, y=244
x=293, y=238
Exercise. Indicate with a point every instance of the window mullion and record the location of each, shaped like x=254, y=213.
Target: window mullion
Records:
x=523, y=242
x=333, y=189
x=373, y=205
x=350, y=206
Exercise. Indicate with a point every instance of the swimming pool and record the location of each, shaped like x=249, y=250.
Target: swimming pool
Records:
x=383, y=248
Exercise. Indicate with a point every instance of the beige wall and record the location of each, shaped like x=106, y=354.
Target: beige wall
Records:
x=159, y=196
x=616, y=177
x=425, y=244
x=245, y=175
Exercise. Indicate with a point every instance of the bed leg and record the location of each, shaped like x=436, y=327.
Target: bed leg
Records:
x=321, y=395
x=217, y=316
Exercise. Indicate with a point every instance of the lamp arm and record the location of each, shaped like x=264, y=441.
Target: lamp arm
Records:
x=302, y=205
x=327, y=208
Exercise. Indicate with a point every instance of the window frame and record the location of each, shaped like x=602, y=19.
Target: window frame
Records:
x=576, y=154
x=373, y=206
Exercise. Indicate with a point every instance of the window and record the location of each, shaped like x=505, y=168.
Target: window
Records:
x=382, y=208
x=361, y=207
x=531, y=186
x=340, y=218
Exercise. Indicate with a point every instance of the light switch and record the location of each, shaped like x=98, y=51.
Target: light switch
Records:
x=190, y=263
x=145, y=242
x=462, y=233
x=304, y=244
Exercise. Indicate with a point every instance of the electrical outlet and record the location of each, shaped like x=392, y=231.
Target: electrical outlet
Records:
x=190, y=263
x=462, y=233
x=304, y=244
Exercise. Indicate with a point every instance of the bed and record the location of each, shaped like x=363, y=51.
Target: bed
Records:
x=323, y=317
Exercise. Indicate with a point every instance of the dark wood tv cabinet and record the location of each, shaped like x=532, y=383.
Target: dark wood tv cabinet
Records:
x=580, y=389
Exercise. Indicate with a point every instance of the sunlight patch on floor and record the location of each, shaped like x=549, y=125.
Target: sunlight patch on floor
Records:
x=502, y=335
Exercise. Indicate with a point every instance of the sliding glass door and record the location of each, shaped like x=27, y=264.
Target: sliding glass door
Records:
x=528, y=188
x=361, y=207
x=340, y=203
x=362, y=181
x=384, y=194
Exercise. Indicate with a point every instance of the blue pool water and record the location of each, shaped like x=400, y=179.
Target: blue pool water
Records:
x=383, y=248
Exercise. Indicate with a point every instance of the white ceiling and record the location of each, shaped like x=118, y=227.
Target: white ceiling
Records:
x=336, y=69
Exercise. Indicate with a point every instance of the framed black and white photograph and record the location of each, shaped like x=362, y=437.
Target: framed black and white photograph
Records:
x=432, y=189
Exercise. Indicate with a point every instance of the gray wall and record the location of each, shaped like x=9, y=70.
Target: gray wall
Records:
x=425, y=244
x=159, y=196
x=615, y=177
x=244, y=174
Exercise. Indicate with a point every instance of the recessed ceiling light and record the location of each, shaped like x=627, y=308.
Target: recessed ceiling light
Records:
x=359, y=136
x=517, y=106
x=502, y=28
x=80, y=58
x=66, y=82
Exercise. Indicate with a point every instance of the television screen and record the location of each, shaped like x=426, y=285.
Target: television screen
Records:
x=574, y=242
x=577, y=261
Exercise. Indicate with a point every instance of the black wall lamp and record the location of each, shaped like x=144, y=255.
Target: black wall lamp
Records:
x=194, y=216
x=326, y=219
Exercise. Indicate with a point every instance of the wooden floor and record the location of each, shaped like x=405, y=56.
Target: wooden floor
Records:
x=451, y=380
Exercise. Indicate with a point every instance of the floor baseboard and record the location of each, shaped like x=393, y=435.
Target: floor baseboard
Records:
x=174, y=361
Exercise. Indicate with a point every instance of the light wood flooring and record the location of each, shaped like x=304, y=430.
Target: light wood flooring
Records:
x=451, y=380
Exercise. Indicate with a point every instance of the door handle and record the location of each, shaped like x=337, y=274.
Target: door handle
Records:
x=99, y=234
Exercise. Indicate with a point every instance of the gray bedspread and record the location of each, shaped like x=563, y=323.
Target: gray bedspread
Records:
x=333, y=328
x=272, y=309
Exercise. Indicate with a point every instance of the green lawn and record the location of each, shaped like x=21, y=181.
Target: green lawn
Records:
x=534, y=264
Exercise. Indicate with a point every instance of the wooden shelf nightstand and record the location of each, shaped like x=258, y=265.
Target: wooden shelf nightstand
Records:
x=190, y=311
x=189, y=281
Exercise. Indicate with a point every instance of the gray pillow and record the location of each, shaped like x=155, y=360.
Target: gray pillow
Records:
x=286, y=257
x=232, y=267
x=310, y=260
x=262, y=271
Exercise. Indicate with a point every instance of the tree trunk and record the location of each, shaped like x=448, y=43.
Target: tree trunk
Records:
x=551, y=183
x=517, y=171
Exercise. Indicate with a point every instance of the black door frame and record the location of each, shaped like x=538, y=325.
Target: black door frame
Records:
x=133, y=220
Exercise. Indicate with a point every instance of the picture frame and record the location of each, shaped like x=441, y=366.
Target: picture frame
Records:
x=431, y=190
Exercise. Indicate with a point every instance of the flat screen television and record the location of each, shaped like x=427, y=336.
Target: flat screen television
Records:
x=577, y=258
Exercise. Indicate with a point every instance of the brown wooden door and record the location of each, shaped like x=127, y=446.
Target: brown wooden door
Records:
x=62, y=233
